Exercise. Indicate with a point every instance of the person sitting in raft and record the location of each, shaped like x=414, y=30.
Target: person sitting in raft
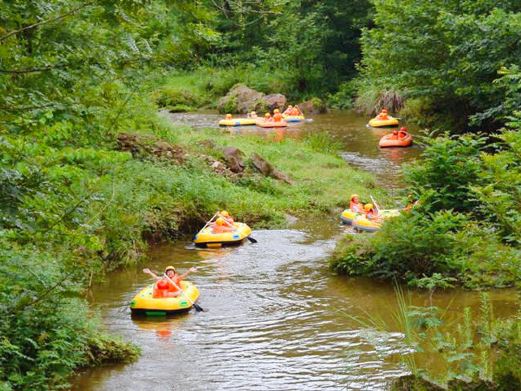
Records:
x=226, y=216
x=383, y=115
x=228, y=117
x=170, y=284
x=288, y=110
x=295, y=112
x=355, y=205
x=267, y=117
x=371, y=213
x=221, y=226
x=253, y=114
x=277, y=116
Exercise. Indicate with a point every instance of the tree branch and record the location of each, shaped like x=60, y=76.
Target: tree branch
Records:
x=73, y=11
x=32, y=70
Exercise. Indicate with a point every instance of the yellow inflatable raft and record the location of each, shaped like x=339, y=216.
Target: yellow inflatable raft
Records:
x=362, y=223
x=384, y=123
x=206, y=238
x=145, y=304
x=348, y=216
x=293, y=118
x=238, y=122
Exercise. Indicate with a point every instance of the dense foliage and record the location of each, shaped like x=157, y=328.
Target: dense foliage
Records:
x=467, y=223
x=73, y=77
x=312, y=45
x=443, y=56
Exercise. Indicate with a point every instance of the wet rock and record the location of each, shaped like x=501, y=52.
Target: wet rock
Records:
x=275, y=101
x=233, y=157
x=147, y=146
x=266, y=169
x=241, y=99
x=313, y=106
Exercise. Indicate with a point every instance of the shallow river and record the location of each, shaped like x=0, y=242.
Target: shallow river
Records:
x=276, y=318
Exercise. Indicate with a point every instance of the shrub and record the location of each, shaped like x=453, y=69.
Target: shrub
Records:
x=449, y=167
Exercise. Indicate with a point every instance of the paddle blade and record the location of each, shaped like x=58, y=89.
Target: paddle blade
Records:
x=252, y=240
x=198, y=308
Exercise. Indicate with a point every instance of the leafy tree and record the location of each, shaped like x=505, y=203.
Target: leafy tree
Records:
x=445, y=53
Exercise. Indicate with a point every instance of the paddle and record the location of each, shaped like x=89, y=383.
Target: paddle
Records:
x=197, y=307
x=375, y=204
x=209, y=221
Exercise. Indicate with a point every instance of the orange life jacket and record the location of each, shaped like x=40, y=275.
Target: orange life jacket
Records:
x=277, y=117
x=218, y=229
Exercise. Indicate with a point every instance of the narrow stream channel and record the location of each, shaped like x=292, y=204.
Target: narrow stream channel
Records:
x=277, y=318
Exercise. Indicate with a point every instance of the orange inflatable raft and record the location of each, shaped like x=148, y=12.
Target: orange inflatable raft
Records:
x=395, y=140
x=272, y=124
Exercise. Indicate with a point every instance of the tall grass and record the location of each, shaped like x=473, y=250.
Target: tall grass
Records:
x=452, y=354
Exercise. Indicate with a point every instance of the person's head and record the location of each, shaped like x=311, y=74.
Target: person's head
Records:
x=170, y=271
x=253, y=114
x=384, y=111
x=225, y=213
x=219, y=221
x=403, y=129
x=290, y=107
x=395, y=132
x=228, y=116
x=368, y=207
x=267, y=115
x=355, y=198
x=276, y=111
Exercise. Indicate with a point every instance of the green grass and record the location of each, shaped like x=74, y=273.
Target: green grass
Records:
x=322, y=180
x=202, y=87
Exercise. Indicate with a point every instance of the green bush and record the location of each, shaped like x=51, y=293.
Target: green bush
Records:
x=448, y=169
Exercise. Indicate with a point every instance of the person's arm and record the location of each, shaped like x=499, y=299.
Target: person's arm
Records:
x=148, y=271
x=192, y=269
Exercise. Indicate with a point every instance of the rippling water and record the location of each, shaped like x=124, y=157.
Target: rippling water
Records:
x=277, y=318
x=271, y=324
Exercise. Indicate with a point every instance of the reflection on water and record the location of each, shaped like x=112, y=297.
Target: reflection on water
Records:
x=360, y=143
x=277, y=320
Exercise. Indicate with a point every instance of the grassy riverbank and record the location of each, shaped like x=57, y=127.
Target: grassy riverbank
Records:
x=78, y=201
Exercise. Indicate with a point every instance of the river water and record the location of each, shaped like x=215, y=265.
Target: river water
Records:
x=276, y=318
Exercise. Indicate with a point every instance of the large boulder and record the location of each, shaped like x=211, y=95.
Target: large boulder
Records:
x=313, y=106
x=275, y=101
x=233, y=157
x=241, y=99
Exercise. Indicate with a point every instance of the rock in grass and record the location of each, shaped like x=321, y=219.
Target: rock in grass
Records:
x=242, y=99
x=233, y=157
x=266, y=169
x=148, y=146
